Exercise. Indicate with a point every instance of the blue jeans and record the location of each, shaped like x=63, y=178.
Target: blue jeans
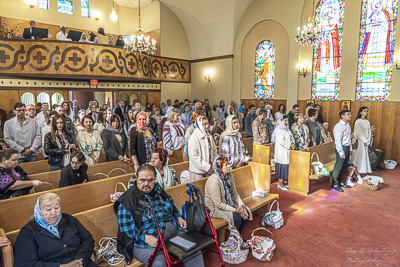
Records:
x=27, y=159
x=55, y=168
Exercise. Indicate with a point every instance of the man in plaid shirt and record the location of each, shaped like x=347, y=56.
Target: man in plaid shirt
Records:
x=137, y=234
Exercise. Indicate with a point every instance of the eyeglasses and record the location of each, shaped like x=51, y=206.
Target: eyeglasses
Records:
x=31, y=109
x=20, y=110
x=75, y=163
x=149, y=181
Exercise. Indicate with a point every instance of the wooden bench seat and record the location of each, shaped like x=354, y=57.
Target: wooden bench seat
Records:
x=95, y=172
x=299, y=167
x=40, y=166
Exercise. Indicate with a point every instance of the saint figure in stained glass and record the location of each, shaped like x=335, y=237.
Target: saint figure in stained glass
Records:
x=265, y=70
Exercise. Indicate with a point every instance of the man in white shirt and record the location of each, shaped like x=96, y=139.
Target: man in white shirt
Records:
x=343, y=151
x=41, y=116
x=62, y=35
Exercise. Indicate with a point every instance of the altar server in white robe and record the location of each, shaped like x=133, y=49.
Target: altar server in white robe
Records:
x=362, y=132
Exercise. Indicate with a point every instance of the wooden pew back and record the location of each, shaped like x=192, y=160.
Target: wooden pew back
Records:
x=326, y=152
x=179, y=168
x=17, y=211
x=248, y=144
x=243, y=135
x=261, y=154
x=177, y=157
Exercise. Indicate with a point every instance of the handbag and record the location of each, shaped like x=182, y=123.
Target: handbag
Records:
x=273, y=218
x=195, y=214
x=262, y=247
x=114, y=197
x=234, y=250
x=318, y=167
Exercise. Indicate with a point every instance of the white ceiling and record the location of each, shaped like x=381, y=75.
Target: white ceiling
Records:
x=133, y=3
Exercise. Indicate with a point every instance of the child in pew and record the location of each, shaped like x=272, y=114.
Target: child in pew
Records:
x=75, y=172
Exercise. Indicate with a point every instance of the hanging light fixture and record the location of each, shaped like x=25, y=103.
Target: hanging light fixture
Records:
x=113, y=15
x=140, y=42
x=310, y=34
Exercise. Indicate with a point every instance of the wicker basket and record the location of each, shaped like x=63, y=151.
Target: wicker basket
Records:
x=255, y=244
x=370, y=186
x=114, y=197
x=390, y=164
x=236, y=257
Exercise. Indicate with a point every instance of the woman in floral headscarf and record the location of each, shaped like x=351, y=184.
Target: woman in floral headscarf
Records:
x=223, y=198
x=231, y=144
x=202, y=150
x=53, y=238
x=142, y=140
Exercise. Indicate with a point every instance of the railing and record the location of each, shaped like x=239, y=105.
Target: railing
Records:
x=60, y=59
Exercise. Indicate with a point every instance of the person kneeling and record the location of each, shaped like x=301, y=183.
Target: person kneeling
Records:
x=53, y=238
x=137, y=234
x=221, y=193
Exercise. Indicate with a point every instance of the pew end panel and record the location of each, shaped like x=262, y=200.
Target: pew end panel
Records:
x=261, y=176
x=35, y=167
x=6, y=256
x=299, y=171
x=261, y=154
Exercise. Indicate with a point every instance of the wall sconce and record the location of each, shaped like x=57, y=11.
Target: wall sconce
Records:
x=32, y=3
x=96, y=14
x=303, y=69
x=208, y=75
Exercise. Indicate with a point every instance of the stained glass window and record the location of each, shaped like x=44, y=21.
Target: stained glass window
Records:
x=264, y=78
x=66, y=6
x=44, y=4
x=85, y=8
x=375, y=54
x=328, y=53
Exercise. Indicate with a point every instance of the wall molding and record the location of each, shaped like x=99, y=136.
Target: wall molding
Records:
x=211, y=58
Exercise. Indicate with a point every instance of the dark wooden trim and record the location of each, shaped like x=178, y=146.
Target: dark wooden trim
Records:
x=211, y=58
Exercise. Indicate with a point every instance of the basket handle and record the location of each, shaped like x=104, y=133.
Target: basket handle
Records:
x=315, y=153
x=277, y=203
x=265, y=229
x=32, y=191
x=98, y=174
x=115, y=170
x=116, y=186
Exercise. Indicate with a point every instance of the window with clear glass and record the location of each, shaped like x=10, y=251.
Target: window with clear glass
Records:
x=57, y=99
x=44, y=4
x=65, y=6
x=132, y=98
x=328, y=52
x=264, y=77
x=28, y=98
x=376, y=47
x=85, y=11
x=43, y=98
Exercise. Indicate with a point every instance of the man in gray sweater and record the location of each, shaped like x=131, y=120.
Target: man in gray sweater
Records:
x=248, y=121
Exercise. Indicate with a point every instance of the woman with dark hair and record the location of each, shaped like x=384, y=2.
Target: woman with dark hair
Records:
x=75, y=172
x=14, y=181
x=142, y=141
x=90, y=142
x=202, y=150
x=53, y=238
x=148, y=106
x=78, y=124
x=221, y=111
x=115, y=142
x=281, y=111
x=184, y=115
x=231, y=143
x=101, y=122
x=240, y=115
x=213, y=111
x=223, y=198
x=47, y=129
x=362, y=132
x=67, y=110
x=300, y=132
x=129, y=121
x=313, y=127
x=165, y=174
x=57, y=143
x=284, y=141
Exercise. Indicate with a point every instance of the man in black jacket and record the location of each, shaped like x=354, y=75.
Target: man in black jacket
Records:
x=295, y=110
x=120, y=109
x=28, y=31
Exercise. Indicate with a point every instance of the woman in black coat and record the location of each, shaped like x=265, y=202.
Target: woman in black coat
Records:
x=115, y=142
x=75, y=172
x=57, y=143
x=53, y=238
x=142, y=141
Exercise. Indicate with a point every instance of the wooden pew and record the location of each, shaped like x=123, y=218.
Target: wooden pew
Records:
x=261, y=154
x=177, y=157
x=248, y=144
x=95, y=172
x=6, y=253
x=179, y=168
x=17, y=211
x=243, y=135
x=102, y=222
x=299, y=167
x=40, y=166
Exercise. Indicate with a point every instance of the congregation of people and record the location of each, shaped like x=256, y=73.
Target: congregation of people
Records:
x=72, y=138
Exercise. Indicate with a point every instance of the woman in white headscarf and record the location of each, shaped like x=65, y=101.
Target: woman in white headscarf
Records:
x=231, y=144
x=284, y=142
x=202, y=152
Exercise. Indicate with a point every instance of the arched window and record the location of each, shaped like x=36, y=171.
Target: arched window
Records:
x=57, y=98
x=376, y=46
x=85, y=11
x=133, y=97
x=124, y=97
x=65, y=6
x=44, y=4
x=328, y=53
x=43, y=98
x=143, y=100
x=28, y=98
x=264, y=77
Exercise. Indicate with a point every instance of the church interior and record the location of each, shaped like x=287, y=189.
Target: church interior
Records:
x=247, y=51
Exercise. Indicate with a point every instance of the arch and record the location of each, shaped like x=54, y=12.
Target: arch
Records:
x=264, y=75
x=28, y=98
x=124, y=97
x=143, y=100
x=133, y=97
x=43, y=97
x=57, y=98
